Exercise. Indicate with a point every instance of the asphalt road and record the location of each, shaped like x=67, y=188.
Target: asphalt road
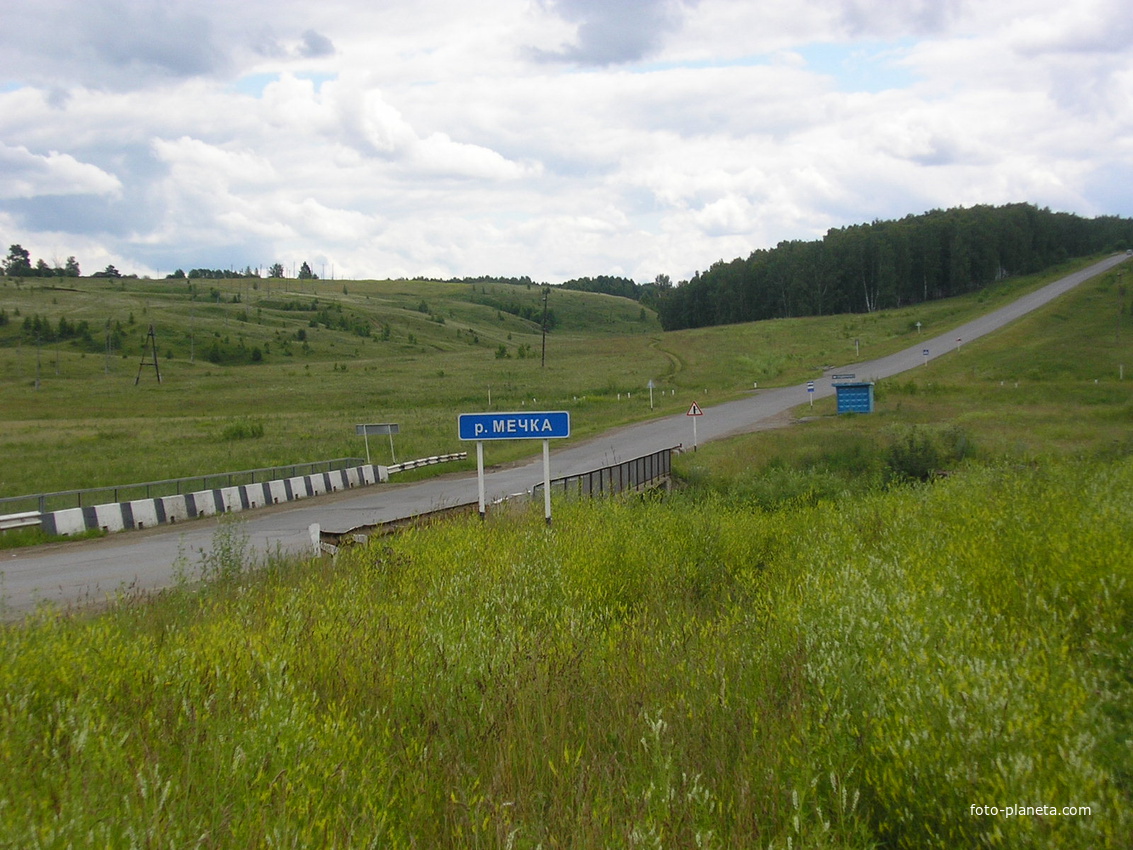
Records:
x=91, y=571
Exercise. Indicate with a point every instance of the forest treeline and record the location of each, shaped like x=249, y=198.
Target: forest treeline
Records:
x=888, y=264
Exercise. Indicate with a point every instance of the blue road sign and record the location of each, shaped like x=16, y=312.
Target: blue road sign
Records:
x=514, y=426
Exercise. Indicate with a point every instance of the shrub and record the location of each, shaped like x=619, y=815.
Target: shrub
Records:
x=918, y=453
x=243, y=429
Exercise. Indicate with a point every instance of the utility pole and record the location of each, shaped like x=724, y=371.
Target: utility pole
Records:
x=150, y=344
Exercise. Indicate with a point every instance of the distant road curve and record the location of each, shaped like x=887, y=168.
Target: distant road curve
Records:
x=91, y=571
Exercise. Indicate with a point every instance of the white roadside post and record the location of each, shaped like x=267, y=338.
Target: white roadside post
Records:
x=925, y=353
x=547, y=481
x=810, y=391
x=480, y=474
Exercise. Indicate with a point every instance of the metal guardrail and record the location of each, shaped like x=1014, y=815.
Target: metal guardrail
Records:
x=64, y=499
x=26, y=519
x=636, y=474
x=425, y=461
x=633, y=474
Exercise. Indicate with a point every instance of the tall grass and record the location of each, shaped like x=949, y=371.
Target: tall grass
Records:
x=688, y=672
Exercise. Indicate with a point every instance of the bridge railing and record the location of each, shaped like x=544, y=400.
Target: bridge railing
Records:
x=65, y=499
x=636, y=474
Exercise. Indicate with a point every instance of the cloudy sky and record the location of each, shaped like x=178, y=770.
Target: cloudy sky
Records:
x=550, y=138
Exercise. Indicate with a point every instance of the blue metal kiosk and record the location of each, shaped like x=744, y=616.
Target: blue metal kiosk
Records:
x=854, y=397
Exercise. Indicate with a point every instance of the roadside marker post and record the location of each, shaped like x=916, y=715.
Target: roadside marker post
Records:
x=545, y=426
x=810, y=391
x=694, y=412
x=925, y=353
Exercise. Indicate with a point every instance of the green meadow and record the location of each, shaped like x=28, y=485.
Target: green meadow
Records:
x=854, y=632
x=259, y=373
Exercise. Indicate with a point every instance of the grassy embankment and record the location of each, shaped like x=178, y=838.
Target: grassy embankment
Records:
x=820, y=656
x=88, y=425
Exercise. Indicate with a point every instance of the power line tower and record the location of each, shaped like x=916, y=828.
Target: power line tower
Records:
x=150, y=347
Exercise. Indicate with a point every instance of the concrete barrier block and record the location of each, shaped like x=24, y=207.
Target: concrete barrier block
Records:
x=70, y=521
x=337, y=482
x=353, y=477
x=252, y=496
x=144, y=512
x=205, y=501
x=317, y=483
x=109, y=517
x=278, y=491
x=176, y=508
x=230, y=497
x=299, y=487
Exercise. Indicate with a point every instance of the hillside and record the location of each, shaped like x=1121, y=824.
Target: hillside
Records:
x=333, y=354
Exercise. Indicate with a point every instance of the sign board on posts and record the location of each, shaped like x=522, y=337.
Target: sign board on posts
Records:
x=375, y=430
x=545, y=426
x=514, y=426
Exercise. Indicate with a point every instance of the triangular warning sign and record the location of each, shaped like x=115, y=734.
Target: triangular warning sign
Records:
x=695, y=410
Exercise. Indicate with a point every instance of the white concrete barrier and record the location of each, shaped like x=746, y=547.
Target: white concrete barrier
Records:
x=109, y=517
x=70, y=521
x=253, y=495
x=299, y=487
x=278, y=491
x=230, y=497
x=144, y=512
x=205, y=500
x=176, y=508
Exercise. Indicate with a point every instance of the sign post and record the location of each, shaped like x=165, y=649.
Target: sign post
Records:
x=650, y=394
x=694, y=412
x=810, y=391
x=545, y=426
x=385, y=428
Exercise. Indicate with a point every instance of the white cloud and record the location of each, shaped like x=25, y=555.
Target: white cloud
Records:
x=546, y=138
x=24, y=174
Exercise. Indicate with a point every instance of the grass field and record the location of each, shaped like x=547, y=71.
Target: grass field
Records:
x=804, y=646
x=88, y=425
x=695, y=672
